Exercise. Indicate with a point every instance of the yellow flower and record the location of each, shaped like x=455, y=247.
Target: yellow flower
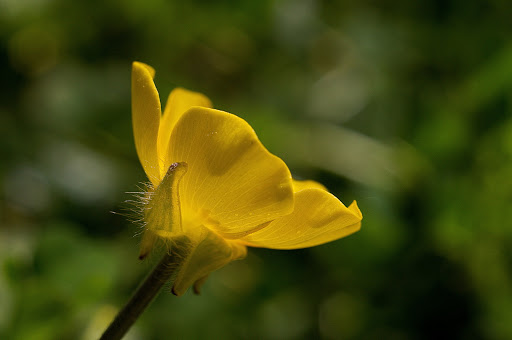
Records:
x=216, y=189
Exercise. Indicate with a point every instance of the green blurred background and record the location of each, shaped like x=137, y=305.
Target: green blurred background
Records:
x=402, y=105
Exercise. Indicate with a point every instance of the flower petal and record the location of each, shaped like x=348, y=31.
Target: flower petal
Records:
x=207, y=252
x=319, y=217
x=179, y=101
x=233, y=183
x=308, y=184
x=146, y=119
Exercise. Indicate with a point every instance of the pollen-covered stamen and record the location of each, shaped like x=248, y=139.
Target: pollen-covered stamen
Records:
x=162, y=211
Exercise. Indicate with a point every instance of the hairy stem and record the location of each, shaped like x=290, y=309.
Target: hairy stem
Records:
x=142, y=297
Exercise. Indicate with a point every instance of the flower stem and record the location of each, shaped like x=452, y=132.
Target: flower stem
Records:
x=142, y=297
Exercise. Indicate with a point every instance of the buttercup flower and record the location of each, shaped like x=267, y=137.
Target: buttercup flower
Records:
x=215, y=189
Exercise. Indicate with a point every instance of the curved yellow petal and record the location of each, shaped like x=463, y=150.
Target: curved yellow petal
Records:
x=146, y=119
x=233, y=183
x=319, y=217
x=307, y=184
x=207, y=252
x=179, y=101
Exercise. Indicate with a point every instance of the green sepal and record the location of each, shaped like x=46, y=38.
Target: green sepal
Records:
x=162, y=213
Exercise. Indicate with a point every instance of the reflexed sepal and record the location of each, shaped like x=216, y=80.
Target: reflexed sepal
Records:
x=162, y=213
x=199, y=284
